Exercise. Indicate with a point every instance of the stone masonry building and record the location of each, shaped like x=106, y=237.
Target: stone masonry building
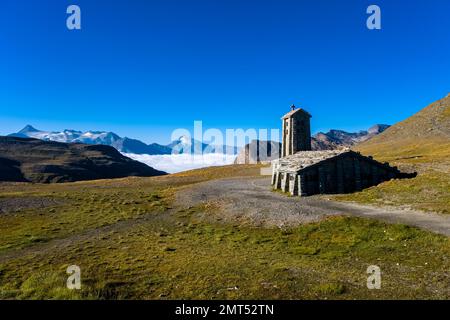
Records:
x=296, y=132
x=303, y=172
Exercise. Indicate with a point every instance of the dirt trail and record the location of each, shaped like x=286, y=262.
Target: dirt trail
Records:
x=251, y=200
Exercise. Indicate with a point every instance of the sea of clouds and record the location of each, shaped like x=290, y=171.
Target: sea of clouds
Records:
x=173, y=163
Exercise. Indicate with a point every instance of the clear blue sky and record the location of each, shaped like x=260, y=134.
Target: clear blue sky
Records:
x=144, y=67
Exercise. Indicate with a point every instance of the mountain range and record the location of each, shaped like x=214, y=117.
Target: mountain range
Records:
x=334, y=139
x=264, y=151
x=125, y=144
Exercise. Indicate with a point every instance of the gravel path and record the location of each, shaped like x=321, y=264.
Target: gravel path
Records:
x=251, y=200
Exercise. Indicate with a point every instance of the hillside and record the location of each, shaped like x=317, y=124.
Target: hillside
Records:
x=420, y=143
x=33, y=160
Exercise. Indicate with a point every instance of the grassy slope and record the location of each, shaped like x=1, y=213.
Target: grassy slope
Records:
x=130, y=242
x=420, y=143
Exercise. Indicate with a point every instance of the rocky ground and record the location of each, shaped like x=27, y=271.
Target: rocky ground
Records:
x=22, y=203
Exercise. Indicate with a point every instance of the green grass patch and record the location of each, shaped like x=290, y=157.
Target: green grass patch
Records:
x=320, y=260
x=130, y=245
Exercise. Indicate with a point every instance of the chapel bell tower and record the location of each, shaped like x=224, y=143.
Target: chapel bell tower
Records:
x=296, y=131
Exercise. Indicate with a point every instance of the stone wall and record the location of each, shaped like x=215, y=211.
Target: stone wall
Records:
x=346, y=173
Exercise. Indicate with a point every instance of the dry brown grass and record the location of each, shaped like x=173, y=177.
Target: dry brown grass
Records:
x=420, y=143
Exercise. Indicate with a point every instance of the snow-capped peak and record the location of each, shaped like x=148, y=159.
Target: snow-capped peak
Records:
x=28, y=128
x=185, y=140
x=68, y=136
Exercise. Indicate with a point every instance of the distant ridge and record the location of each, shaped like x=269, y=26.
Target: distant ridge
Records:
x=33, y=160
x=335, y=139
x=125, y=144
